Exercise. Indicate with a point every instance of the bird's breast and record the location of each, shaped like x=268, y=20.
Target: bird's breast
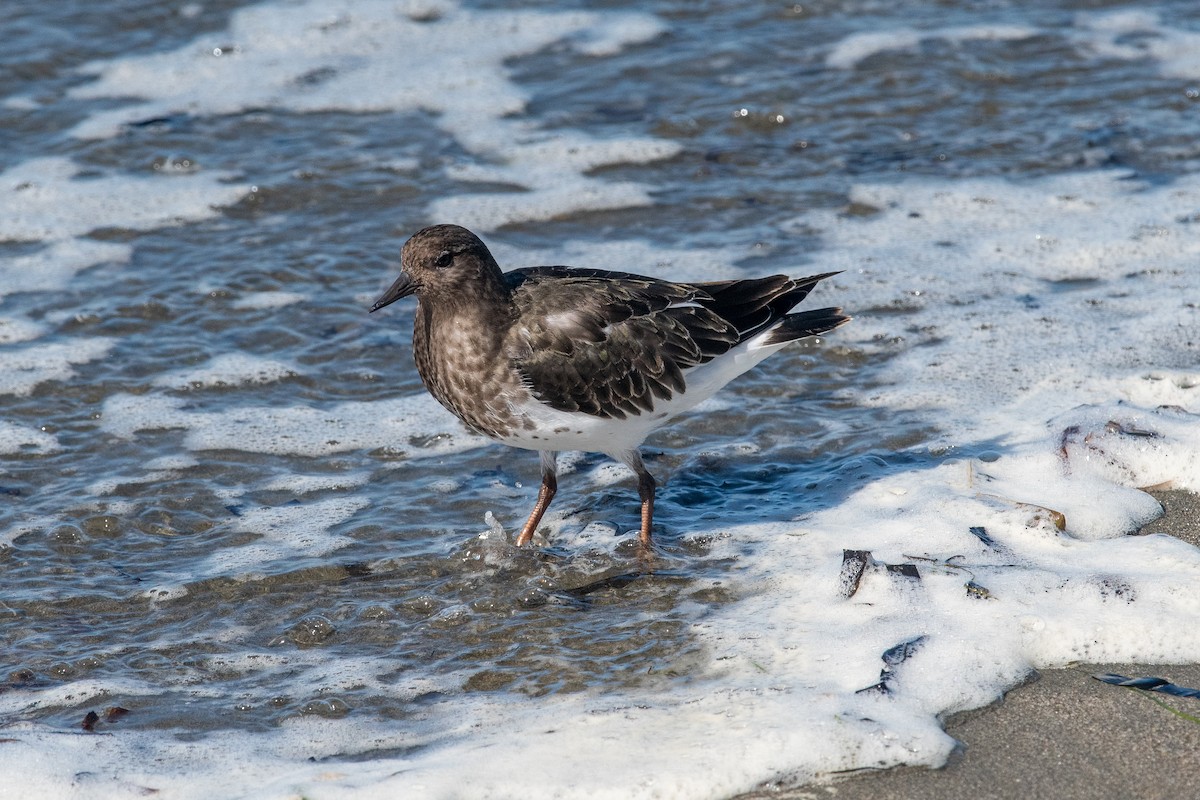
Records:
x=463, y=365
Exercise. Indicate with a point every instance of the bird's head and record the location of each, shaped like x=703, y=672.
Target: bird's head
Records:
x=443, y=262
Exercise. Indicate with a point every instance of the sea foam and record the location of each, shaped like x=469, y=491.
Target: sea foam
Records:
x=1002, y=552
x=314, y=56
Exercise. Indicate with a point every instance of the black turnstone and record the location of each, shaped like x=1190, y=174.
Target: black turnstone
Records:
x=561, y=358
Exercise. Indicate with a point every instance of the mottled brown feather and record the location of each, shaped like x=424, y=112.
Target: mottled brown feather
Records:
x=610, y=344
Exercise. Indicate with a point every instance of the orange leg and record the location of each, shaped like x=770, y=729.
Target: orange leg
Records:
x=545, y=495
x=646, y=486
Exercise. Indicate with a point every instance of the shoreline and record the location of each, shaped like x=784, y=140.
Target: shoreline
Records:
x=1063, y=734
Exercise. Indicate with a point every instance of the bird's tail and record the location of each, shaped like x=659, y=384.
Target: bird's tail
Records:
x=806, y=323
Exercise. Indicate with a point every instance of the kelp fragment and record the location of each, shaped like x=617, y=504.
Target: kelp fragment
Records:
x=1149, y=684
x=855, y=564
x=980, y=533
x=893, y=657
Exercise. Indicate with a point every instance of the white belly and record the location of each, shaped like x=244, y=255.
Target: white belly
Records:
x=551, y=429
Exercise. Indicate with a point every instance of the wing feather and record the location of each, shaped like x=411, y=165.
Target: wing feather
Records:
x=610, y=344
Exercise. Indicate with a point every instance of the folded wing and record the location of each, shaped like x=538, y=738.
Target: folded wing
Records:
x=611, y=344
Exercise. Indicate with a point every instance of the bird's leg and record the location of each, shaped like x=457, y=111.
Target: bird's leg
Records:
x=646, y=486
x=545, y=495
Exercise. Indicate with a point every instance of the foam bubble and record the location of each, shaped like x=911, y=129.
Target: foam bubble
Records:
x=228, y=369
x=260, y=300
x=44, y=199
x=287, y=532
x=414, y=426
x=14, y=329
x=20, y=439
x=1129, y=35
x=24, y=368
x=1137, y=35
x=856, y=48
x=306, y=484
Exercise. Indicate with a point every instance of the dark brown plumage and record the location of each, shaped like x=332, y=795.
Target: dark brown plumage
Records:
x=555, y=358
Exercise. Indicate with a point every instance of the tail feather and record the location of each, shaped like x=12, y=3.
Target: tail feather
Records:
x=806, y=323
x=753, y=304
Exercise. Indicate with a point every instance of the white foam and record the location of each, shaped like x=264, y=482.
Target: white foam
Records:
x=260, y=300
x=52, y=267
x=855, y=48
x=229, y=369
x=306, y=484
x=45, y=199
x=15, y=329
x=1128, y=35
x=75, y=692
x=1072, y=280
x=21, y=439
x=1137, y=35
x=23, y=368
x=314, y=56
x=21, y=103
x=552, y=172
x=632, y=255
x=163, y=468
x=176, y=461
x=414, y=426
x=318, y=56
x=287, y=532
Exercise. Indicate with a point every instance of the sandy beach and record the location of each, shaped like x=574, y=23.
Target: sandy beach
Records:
x=1064, y=734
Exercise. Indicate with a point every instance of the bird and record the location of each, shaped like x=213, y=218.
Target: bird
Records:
x=556, y=358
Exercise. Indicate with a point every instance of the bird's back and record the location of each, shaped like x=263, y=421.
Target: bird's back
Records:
x=616, y=344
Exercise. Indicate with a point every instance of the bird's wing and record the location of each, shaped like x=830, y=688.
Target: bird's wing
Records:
x=609, y=344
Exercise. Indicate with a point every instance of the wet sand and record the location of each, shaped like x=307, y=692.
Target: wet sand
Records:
x=1064, y=735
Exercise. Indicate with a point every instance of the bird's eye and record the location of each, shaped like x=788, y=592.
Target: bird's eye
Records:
x=444, y=259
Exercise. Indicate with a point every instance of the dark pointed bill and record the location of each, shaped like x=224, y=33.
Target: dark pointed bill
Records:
x=403, y=287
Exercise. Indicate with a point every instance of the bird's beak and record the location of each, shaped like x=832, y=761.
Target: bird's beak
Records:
x=403, y=287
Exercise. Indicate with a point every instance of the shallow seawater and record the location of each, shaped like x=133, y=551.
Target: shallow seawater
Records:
x=228, y=506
